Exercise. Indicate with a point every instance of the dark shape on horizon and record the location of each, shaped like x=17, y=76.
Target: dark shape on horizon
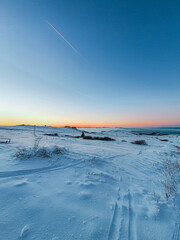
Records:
x=139, y=142
x=51, y=134
x=92, y=138
x=75, y=128
x=150, y=134
x=99, y=138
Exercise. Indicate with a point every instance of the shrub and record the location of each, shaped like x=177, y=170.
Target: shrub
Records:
x=171, y=180
x=177, y=147
x=51, y=134
x=40, y=152
x=140, y=142
x=99, y=138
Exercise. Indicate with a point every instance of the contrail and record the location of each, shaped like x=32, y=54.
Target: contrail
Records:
x=76, y=51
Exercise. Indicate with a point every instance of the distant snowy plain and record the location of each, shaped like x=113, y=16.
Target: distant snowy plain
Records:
x=60, y=187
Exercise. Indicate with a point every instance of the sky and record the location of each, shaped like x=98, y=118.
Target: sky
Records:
x=90, y=63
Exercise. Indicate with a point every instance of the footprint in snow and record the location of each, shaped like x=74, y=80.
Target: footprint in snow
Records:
x=85, y=195
x=68, y=182
x=20, y=183
x=86, y=184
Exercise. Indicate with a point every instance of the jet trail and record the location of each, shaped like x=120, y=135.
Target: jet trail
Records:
x=76, y=51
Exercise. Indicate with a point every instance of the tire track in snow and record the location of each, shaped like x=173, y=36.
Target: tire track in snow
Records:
x=122, y=226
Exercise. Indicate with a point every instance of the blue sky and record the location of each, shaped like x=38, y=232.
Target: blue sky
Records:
x=127, y=73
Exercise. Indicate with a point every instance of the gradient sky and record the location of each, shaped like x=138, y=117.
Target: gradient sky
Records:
x=126, y=73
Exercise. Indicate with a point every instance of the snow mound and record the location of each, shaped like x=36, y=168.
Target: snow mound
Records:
x=40, y=152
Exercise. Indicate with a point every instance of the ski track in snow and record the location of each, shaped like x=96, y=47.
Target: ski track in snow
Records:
x=122, y=226
x=176, y=233
x=115, y=224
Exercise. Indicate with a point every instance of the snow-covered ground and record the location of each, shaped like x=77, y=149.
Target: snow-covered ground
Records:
x=59, y=187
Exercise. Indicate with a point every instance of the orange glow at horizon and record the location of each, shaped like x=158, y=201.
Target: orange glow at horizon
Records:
x=13, y=122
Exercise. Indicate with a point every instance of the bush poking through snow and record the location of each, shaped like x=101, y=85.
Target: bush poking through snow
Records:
x=98, y=138
x=51, y=134
x=171, y=182
x=177, y=147
x=41, y=152
x=57, y=150
x=36, y=142
x=139, y=142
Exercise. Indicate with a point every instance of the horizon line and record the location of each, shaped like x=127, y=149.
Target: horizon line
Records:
x=91, y=126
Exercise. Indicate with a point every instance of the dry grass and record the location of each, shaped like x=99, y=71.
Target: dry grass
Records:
x=171, y=179
x=40, y=152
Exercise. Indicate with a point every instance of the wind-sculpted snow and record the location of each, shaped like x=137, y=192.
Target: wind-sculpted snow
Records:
x=56, y=187
x=18, y=173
